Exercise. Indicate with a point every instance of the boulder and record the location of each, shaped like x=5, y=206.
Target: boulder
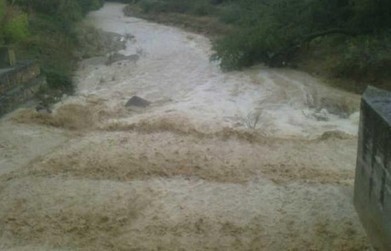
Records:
x=42, y=108
x=136, y=101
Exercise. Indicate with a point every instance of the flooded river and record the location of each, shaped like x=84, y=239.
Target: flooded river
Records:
x=261, y=159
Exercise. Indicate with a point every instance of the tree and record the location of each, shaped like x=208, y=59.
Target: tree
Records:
x=272, y=31
x=69, y=10
x=13, y=24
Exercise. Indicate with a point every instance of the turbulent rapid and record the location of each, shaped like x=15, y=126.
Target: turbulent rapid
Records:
x=173, y=70
x=261, y=159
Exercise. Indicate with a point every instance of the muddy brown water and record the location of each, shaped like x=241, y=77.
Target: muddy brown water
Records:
x=261, y=159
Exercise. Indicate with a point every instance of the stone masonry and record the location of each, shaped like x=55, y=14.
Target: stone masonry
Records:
x=19, y=84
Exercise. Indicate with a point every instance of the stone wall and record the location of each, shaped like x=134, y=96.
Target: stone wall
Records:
x=19, y=84
x=372, y=191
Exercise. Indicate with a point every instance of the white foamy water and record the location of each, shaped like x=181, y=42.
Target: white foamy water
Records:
x=174, y=70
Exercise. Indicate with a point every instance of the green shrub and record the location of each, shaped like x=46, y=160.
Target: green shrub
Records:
x=2, y=9
x=16, y=28
x=201, y=8
x=58, y=80
x=88, y=5
x=230, y=14
x=71, y=10
x=150, y=5
x=365, y=58
x=196, y=7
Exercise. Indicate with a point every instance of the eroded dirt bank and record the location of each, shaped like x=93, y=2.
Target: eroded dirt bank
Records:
x=255, y=160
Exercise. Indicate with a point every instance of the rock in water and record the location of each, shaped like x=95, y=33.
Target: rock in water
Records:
x=41, y=108
x=136, y=101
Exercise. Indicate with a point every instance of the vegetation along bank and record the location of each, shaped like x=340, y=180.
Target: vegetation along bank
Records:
x=45, y=31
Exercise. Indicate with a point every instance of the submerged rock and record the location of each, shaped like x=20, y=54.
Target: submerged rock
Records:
x=136, y=101
x=42, y=108
x=115, y=57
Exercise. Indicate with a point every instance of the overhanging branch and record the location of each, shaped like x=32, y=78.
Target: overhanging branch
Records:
x=291, y=48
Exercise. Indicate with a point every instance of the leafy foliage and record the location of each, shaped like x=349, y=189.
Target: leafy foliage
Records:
x=197, y=7
x=16, y=28
x=273, y=31
x=13, y=24
x=58, y=80
x=71, y=10
x=366, y=57
x=2, y=9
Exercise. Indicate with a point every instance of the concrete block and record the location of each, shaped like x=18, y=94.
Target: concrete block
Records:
x=372, y=188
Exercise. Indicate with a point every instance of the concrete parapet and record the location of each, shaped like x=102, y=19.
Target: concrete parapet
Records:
x=372, y=189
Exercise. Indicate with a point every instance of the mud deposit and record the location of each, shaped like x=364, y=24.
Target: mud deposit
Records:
x=256, y=160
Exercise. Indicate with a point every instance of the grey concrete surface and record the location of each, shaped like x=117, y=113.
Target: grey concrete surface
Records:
x=372, y=195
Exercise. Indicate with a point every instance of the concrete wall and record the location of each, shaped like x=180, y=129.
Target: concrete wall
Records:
x=372, y=191
x=19, y=84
